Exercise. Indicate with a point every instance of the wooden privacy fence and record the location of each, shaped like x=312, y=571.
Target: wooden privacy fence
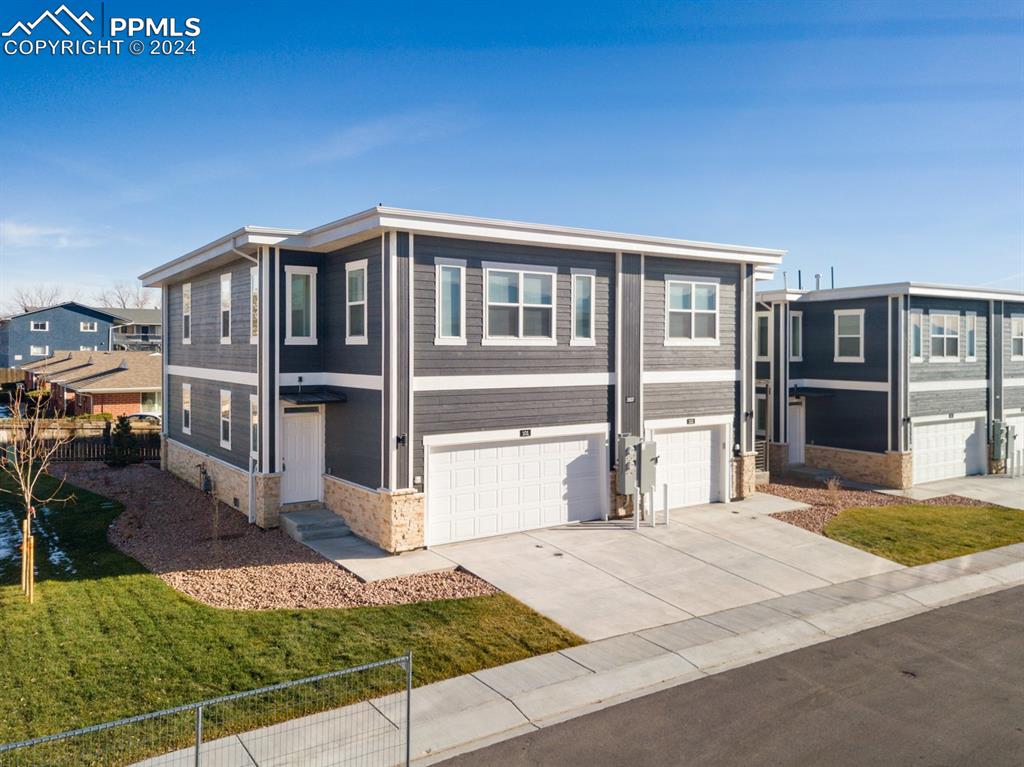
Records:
x=89, y=444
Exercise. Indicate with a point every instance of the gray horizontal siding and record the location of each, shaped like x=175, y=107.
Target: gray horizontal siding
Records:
x=476, y=359
x=1011, y=368
x=953, y=401
x=657, y=356
x=685, y=400
x=481, y=410
x=205, y=436
x=1013, y=399
x=853, y=420
x=206, y=350
x=340, y=357
x=353, y=434
x=819, y=341
x=940, y=371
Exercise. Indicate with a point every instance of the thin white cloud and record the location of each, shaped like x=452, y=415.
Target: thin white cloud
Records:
x=19, y=235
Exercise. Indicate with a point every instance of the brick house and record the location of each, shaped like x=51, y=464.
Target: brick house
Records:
x=118, y=383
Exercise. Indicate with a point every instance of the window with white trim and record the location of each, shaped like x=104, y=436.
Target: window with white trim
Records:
x=849, y=335
x=38, y=351
x=1017, y=337
x=451, y=304
x=149, y=402
x=225, y=308
x=87, y=348
x=916, y=336
x=254, y=304
x=945, y=337
x=355, y=302
x=186, y=313
x=762, y=336
x=39, y=326
x=225, y=418
x=583, y=309
x=796, y=336
x=300, y=304
x=186, y=408
x=971, y=336
x=691, y=312
x=87, y=327
x=761, y=416
x=254, y=426
x=520, y=306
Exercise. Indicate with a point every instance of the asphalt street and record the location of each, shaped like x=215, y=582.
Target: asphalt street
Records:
x=942, y=688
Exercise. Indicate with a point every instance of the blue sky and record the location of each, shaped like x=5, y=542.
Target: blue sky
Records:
x=880, y=138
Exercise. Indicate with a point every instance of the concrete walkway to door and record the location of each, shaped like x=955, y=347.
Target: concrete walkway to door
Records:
x=605, y=579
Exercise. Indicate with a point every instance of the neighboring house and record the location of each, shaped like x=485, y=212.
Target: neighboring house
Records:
x=893, y=384
x=434, y=378
x=118, y=383
x=35, y=335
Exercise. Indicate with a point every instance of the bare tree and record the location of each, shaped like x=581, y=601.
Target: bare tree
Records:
x=23, y=461
x=126, y=295
x=39, y=297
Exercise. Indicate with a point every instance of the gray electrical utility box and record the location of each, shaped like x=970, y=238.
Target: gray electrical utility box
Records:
x=648, y=467
x=626, y=459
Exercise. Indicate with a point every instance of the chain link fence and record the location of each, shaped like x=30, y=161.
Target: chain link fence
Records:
x=356, y=716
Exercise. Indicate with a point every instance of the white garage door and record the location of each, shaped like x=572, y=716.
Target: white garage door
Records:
x=490, y=489
x=948, y=449
x=689, y=468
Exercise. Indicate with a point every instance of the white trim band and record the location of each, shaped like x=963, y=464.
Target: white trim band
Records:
x=345, y=380
x=516, y=381
x=514, y=435
x=690, y=376
x=214, y=374
x=949, y=385
x=667, y=424
x=923, y=419
x=1012, y=382
x=828, y=383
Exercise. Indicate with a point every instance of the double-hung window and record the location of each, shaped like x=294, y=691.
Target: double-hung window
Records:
x=225, y=419
x=916, y=335
x=254, y=304
x=355, y=302
x=39, y=327
x=945, y=337
x=186, y=408
x=849, y=335
x=225, y=308
x=1017, y=337
x=186, y=313
x=972, y=336
x=87, y=327
x=254, y=426
x=691, y=312
x=796, y=336
x=582, y=308
x=762, y=337
x=300, y=309
x=520, y=305
x=451, y=303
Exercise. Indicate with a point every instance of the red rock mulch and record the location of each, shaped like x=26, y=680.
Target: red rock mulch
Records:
x=825, y=504
x=221, y=560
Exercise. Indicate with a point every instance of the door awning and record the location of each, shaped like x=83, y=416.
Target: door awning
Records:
x=808, y=391
x=312, y=395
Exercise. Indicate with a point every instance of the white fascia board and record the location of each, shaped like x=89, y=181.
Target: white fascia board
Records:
x=778, y=296
x=827, y=383
x=670, y=424
x=911, y=289
x=214, y=374
x=953, y=291
x=114, y=390
x=342, y=380
x=949, y=385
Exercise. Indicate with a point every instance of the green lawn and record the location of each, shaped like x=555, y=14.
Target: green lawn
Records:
x=915, y=534
x=106, y=639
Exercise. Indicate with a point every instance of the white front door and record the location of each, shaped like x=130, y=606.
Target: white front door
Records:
x=505, y=487
x=797, y=432
x=301, y=454
x=690, y=467
x=947, y=449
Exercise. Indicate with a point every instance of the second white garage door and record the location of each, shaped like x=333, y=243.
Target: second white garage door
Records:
x=947, y=449
x=505, y=487
x=689, y=468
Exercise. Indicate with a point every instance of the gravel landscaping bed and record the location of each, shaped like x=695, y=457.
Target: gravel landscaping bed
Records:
x=825, y=504
x=218, y=558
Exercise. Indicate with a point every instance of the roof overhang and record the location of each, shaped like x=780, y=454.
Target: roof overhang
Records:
x=313, y=395
x=369, y=223
x=894, y=289
x=110, y=390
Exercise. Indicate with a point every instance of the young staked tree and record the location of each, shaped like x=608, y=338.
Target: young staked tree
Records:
x=23, y=461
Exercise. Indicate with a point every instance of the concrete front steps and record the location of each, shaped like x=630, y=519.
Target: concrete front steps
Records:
x=314, y=525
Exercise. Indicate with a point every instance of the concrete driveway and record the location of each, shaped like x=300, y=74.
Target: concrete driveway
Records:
x=992, y=488
x=605, y=579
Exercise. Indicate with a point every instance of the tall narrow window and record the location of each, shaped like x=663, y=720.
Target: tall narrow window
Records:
x=300, y=309
x=972, y=336
x=849, y=330
x=761, y=416
x=225, y=308
x=451, y=307
x=691, y=312
x=186, y=313
x=186, y=408
x=355, y=302
x=254, y=304
x=761, y=336
x=1017, y=337
x=583, y=309
x=945, y=333
x=916, y=336
x=254, y=426
x=796, y=336
x=520, y=306
x=225, y=419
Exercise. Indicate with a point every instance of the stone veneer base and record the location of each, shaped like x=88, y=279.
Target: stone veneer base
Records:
x=893, y=470
x=744, y=474
x=391, y=520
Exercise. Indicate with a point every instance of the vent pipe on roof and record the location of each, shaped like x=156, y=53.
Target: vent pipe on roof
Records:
x=832, y=270
x=799, y=280
x=817, y=282
x=785, y=281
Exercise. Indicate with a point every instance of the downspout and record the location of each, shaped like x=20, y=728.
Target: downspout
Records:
x=259, y=384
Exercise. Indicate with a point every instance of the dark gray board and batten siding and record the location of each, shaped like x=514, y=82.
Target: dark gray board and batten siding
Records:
x=205, y=418
x=819, y=341
x=629, y=395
